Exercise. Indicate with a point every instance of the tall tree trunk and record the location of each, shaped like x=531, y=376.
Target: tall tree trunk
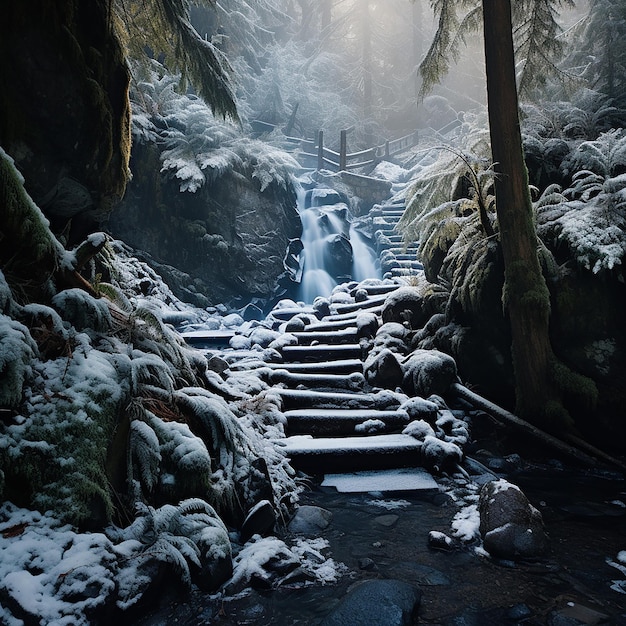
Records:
x=526, y=297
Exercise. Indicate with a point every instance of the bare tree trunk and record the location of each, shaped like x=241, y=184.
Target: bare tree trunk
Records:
x=526, y=297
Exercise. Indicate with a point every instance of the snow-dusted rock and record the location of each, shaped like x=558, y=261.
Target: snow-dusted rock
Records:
x=383, y=370
x=428, y=372
x=406, y=304
x=366, y=324
x=420, y=409
x=420, y=429
x=510, y=526
x=259, y=521
x=321, y=306
x=440, y=456
x=263, y=336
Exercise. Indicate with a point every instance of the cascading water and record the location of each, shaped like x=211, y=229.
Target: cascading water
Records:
x=333, y=250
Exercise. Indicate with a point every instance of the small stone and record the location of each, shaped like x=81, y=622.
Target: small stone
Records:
x=367, y=564
x=439, y=541
x=217, y=364
x=388, y=521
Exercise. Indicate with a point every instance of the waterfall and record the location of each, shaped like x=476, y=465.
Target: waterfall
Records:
x=363, y=257
x=333, y=250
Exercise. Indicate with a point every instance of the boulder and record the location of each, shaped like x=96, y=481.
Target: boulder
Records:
x=427, y=372
x=510, y=526
x=388, y=602
x=309, y=520
x=383, y=370
x=406, y=305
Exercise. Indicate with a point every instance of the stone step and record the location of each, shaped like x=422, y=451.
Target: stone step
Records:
x=402, y=272
x=413, y=479
x=351, y=315
x=375, y=290
x=331, y=326
x=326, y=455
x=311, y=399
x=390, y=264
x=332, y=336
x=208, y=338
x=288, y=312
x=340, y=366
x=352, y=381
x=370, y=303
x=319, y=422
x=304, y=354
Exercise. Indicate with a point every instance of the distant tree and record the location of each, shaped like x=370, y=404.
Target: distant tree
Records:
x=599, y=54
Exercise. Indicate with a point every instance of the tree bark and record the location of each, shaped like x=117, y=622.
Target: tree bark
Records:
x=526, y=298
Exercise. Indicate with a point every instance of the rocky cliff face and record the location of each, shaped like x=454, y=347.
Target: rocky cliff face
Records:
x=64, y=108
x=227, y=240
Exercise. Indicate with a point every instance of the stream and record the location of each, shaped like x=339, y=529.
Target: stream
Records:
x=385, y=536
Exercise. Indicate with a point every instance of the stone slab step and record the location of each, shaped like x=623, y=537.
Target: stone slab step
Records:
x=287, y=313
x=341, y=366
x=353, y=381
x=334, y=336
x=311, y=399
x=341, y=421
x=358, y=306
x=208, y=338
x=401, y=479
x=352, y=314
x=374, y=290
x=324, y=455
x=304, y=354
x=331, y=326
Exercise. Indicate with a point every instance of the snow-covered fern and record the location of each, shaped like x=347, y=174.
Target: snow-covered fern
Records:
x=590, y=215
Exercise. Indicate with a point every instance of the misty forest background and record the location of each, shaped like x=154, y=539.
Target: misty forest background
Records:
x=131, y=150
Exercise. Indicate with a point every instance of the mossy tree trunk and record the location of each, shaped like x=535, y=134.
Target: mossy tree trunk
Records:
x=526, y=297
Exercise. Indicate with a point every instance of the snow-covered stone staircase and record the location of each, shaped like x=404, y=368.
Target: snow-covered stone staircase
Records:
x=397, y=259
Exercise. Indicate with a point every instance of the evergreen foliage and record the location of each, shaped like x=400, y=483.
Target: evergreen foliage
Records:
x=164, y=27
x=197, y=148
x=538, y=50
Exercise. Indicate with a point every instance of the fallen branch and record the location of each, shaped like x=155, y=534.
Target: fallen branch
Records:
x=567, y=449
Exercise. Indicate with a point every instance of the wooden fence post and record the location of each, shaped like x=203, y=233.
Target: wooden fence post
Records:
x=343, y=149
x=320, y=149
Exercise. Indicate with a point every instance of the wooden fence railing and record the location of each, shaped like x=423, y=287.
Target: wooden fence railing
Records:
x=325, y=158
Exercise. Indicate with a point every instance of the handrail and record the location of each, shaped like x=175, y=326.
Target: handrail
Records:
x=343, y=160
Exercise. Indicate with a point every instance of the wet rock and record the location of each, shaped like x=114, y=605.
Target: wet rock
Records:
x=360, y=295
x=574, y=614
x=259, y=521
x=310, y=520
x=388, y=602
x=388, y=521
x=509, y=525
x=367, y=564
x=428, y=372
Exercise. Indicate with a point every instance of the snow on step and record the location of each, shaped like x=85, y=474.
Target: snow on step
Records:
x=302, y=398
x=401, y=479
x=352, y=316
x=321, y=352
x=208, y=337
x=339, y=454
x=356, y=306
x=341, y=366
x=347, y=335
x=331, y=326
x=342, y=421
x=354, y=381
x=287, y=313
